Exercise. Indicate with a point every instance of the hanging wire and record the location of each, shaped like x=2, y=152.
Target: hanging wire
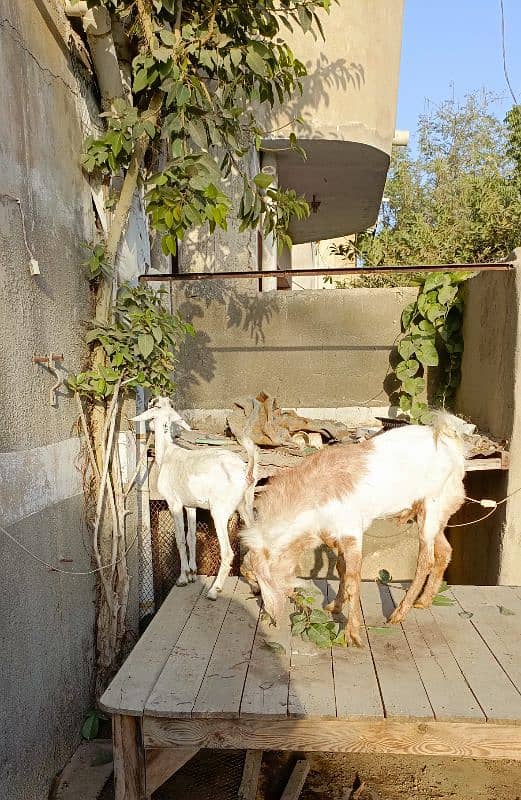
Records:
x=505, y=70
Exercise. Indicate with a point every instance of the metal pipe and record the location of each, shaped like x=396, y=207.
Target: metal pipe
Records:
x=502, y=266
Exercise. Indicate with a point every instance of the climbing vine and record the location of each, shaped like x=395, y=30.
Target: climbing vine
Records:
x=184, y=88
x=431, y=337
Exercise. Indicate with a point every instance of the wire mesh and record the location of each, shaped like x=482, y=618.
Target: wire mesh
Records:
x=165, y=557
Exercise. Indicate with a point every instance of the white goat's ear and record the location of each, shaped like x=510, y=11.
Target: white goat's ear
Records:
x=146, y=415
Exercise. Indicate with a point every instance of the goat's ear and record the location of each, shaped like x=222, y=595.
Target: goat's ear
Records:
x=146, y=415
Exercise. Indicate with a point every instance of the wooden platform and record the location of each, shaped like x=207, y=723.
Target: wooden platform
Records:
x=446, y=682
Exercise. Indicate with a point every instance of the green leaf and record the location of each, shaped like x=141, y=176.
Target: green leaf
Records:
x=444, y=587
x=317, y=615
x=434, y=311
x=382, y=629
x=319, y=636
x=90, y=727
x=506, y=611
x=256, y=62
x=262, y=180
x=414, y=386
x=406, y=369
x=427, y=354
x=441, y=600
x=447, y=294
x=406, y=347
x=434, y=280
x=140, y=80
x=145, y=343
x=276, y=646
x=405, y=402
x=384, y=576
x=408, y=315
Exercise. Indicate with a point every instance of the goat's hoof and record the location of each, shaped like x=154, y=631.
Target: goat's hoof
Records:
x=181, y=581
x=423, y=603
x=353, y=637
x=396, y=617
x=332, y=608
x=192, y=575
x=212, y=594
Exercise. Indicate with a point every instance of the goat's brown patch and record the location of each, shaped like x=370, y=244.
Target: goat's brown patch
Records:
x=329, y=474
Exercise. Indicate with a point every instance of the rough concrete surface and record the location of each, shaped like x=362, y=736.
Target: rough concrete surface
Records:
x=308, y=348
x=87, y=772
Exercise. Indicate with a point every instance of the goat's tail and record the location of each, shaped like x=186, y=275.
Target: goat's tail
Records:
x=448, y=426
x=252, y=476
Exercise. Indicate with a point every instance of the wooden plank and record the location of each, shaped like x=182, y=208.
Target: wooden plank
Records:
x=485, y=464
x=176, y=688
x=403, y=694
x=499, y=699
x=296, y=781
x=129, y=690
x=221, y=690
x=454, y=739
x=447, y=689
x=266, y=686
x=129, y=758
x=501, y=632
x=250, y=775
x=356, y=686
x=162, y=762
x=311, y=686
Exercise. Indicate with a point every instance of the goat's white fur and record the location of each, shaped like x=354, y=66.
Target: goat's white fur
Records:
x=214, y=478
x=400, y=468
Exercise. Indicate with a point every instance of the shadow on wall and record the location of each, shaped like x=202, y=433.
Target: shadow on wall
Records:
x=246, y=311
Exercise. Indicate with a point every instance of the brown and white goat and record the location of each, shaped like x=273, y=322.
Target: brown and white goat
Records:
x=335, y=495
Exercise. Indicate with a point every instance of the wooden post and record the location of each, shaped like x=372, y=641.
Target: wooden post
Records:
x=250, y=775
x=129, y=758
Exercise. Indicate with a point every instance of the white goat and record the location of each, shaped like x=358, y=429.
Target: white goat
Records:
x=335, y=495
x=214, y=478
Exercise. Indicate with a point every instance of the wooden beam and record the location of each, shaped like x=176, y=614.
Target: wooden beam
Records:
x=129, y=760
x=458, y=740
x=161, y=764
x=296, y=782
x=250, y=775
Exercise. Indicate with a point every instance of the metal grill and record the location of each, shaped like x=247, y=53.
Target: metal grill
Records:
x=165, y=558
x=210, y=775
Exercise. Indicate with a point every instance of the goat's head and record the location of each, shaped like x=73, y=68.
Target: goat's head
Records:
x=273, y=578
x=162, y=416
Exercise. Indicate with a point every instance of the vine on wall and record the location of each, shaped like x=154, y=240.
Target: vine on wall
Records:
x=431, y=337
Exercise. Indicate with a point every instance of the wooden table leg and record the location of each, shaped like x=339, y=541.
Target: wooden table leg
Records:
x=162, y=762
x=129, y=758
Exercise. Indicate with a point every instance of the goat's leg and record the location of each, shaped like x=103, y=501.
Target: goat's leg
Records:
x=428, y=524
x=442, y=555
x=220, y=519
x=176, y=509
x=191, y=516
x=349, y=567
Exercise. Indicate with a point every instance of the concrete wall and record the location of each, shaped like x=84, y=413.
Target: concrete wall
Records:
x=490, y=395
x=46, y=619
x=348, y=109
x=308, y=348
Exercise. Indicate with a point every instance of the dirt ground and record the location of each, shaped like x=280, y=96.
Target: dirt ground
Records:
x=215, y=775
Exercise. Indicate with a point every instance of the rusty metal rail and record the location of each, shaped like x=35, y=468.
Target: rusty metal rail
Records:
x=502, y=266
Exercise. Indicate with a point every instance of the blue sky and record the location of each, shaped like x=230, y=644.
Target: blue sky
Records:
x=455, y=47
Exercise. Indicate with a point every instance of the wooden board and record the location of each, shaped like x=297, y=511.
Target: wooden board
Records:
x=454, y=739
x=500, y=631
x=177, y=687
x=403, y=694
x=356, y=686
x=129, y=690
x=448, y=692
x=499, y=699
x=221, y=690
x=296, y=781
x=311, y=686
x=250, y=775
x=266, y=686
